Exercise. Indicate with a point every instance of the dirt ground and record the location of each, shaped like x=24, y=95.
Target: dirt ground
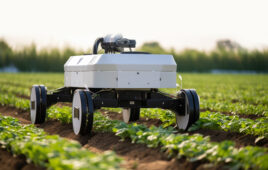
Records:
x=10, y=162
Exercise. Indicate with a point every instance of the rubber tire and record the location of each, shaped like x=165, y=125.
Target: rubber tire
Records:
x=85, y=106
x=134, y=114
x=43, y=104
x=90, y=113
x=196, y=105
x=35, y=111
x=79, y=103
x=189, y=108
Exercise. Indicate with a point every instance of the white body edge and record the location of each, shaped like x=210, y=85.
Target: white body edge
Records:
x=123, y=71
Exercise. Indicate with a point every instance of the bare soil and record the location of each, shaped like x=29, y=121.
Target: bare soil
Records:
x=10, y=162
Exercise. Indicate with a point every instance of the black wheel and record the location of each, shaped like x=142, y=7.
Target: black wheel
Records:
x=90, y=112
x=131, y=114
x=38, y=104
x=43, y=103
x=82, y=112
x=185, y=121
x=196, y=105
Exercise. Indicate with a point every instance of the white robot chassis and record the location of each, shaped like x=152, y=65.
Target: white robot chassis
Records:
x=129, y=80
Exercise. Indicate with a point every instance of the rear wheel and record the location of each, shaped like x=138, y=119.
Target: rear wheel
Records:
x=38, y=104
x=131, y=114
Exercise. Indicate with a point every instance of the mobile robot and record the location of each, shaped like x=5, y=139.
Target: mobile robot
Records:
x=129, y=80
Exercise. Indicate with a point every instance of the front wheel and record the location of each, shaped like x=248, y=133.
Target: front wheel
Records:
x=191, y=110
x=82, y=112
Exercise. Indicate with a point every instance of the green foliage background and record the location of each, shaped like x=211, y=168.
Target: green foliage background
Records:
x=29, y=59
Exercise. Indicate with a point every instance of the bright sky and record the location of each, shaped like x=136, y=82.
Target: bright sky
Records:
x=174, y=23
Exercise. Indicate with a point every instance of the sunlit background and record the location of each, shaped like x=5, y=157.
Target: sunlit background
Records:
x=174, y=23
x=202, y=35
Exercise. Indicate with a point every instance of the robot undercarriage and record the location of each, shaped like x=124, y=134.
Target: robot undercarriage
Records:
x=185, y=104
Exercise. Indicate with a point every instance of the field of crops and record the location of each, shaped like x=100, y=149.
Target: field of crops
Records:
x=232, y=131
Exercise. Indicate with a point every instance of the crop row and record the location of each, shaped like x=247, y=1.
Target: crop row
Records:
x=245, y=96
x=14, y=101
x=27, y=80
x=16, y=90
x=209, y=104
x=244, y=89
x=216, y=120
x=26, y=85
x=232, y=94
x=52, y=152
x=235, y=108
x=208, y=120
x=211, y=120
x=194, y=147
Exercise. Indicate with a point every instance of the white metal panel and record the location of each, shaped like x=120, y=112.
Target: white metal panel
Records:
x=121, y=62
x=108, y=79
x=168, y=79
x=100, y=79
x=134, y=79
x=91, y=79
x=73, y=79
x=127, y=71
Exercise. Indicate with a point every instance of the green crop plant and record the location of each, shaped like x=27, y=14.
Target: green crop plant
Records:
x=194, y=147
x=52, y=152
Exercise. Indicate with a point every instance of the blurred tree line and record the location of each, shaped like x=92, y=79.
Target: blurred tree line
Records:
x=227, y=55
x=28, y=59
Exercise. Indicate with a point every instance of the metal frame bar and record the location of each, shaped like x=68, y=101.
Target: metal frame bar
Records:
x=123, y=98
